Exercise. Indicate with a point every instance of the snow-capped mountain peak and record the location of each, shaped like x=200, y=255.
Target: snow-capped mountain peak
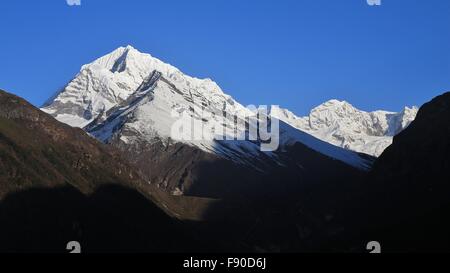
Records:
x=342, y=124
x=131, y=97
x=112, y=79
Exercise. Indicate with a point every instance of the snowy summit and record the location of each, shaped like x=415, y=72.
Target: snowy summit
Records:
x=129, y=96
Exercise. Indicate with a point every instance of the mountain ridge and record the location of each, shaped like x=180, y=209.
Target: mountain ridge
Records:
x=340, y=123
x=103, y=88
x=112, y=79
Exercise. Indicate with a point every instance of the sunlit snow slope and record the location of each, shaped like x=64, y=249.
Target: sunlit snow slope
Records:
x=341, y=124
x=134, y=97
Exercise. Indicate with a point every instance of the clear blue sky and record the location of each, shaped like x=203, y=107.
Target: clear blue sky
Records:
x=295, y=53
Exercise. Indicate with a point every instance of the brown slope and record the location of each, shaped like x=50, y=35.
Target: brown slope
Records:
x=58, y=184
x=36, y=150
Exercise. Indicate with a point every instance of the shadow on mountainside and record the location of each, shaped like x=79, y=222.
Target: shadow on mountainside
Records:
x=409, y=186
x=299, y=208
x=404, y=204
x=113, y=219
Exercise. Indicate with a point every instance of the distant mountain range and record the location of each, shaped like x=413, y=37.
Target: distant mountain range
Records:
x=341, y=124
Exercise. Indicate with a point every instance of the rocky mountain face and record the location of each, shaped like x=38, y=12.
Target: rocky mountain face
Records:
x=250, y=198
x=341, y=124
x=126, y=75
x=39, y=151
x=133, y=101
